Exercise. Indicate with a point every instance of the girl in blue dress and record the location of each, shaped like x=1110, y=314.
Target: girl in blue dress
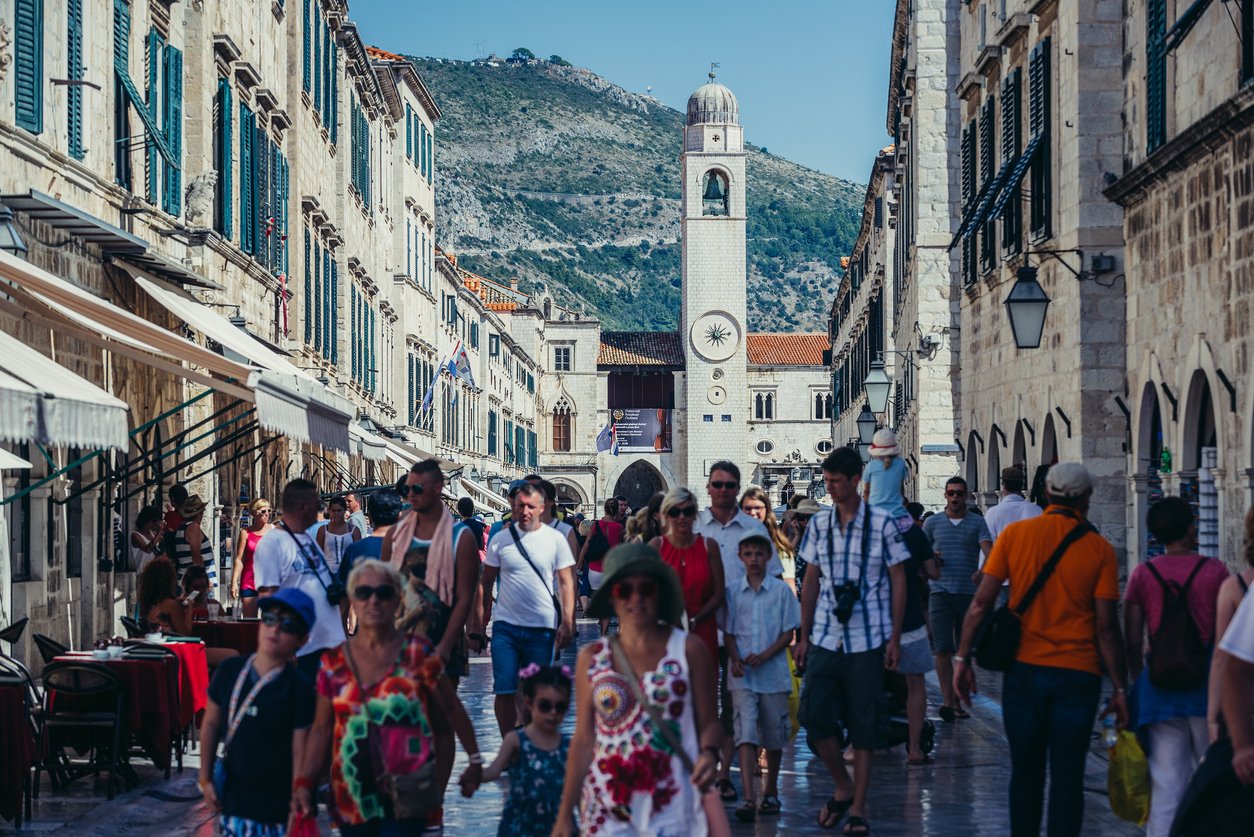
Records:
x=535, y=755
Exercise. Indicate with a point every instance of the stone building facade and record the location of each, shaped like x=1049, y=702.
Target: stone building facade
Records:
x=1184, y=183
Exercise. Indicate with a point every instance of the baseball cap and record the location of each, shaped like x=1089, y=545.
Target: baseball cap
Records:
x=1068, y=480
x=295, y=601
x=514, y=485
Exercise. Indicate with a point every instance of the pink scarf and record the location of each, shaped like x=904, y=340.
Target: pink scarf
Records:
x=441, y=563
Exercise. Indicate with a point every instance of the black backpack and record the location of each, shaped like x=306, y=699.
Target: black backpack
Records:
x=1178, y=658
x=599, y=545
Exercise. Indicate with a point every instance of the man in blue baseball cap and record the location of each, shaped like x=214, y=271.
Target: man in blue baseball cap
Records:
x=260, y=708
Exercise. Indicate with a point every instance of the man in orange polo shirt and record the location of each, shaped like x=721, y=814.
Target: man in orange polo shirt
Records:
x=1069, y=633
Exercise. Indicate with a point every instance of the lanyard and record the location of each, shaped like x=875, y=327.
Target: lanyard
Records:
x=235, y=713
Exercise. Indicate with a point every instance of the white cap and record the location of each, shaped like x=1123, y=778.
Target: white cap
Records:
x=1068, y=480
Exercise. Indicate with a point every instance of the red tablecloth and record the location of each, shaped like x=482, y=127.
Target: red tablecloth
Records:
x=17, y=749
x=239, y=636
x=193, y=679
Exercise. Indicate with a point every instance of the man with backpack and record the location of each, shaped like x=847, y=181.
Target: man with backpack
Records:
x=1069, y=632
x=1172, y=599
x=606, y=534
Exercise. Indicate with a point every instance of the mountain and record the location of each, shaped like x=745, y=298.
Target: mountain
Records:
x=552, y=175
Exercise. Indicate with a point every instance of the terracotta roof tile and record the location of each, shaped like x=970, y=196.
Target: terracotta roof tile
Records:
x=640, y=348
x=786, y=349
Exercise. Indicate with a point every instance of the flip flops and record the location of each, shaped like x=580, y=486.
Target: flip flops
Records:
x=747, y=812
x=857, y=826
x=834, y=811
x=770, y=805
x=726, y=790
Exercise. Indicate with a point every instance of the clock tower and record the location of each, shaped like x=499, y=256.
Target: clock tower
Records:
x=712, y=322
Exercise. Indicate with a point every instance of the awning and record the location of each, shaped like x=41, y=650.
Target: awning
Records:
x=369, y=445
x=481, y=493
x=12, y=462
x=287, y=402
x=168, y=269
x=290, y=394
x=74, y=221
x=42, y=401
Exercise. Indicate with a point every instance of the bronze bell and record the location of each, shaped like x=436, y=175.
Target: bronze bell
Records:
x=713, y=188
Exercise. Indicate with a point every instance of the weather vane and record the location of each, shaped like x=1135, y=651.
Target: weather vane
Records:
x=714, y=65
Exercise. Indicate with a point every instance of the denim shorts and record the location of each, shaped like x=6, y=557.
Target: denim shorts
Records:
x=515, y=648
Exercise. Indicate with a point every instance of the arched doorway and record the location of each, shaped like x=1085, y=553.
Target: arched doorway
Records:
x=994, y=470
x=1199, y=454
x=1149, y=464
x=1049, y=443
x=1020, y=449
x=638, y=483
x=972, y=475
x=568, y=496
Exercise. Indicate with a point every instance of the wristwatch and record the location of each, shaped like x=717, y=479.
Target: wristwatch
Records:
x=958, y=659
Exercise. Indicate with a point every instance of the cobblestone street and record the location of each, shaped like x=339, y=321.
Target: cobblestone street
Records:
x=964, y=792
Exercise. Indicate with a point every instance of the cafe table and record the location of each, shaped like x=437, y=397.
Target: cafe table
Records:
x=239, y=635
x=17, y=749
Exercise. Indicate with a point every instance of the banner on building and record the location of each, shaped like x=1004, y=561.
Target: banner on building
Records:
x=642, y=430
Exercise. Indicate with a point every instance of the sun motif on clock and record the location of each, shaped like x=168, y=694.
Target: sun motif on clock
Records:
x=715, y=336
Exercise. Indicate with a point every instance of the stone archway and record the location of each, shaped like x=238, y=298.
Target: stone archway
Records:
x=638, y=482
x=570, y=495
x=972, y=475
x=1020, y=456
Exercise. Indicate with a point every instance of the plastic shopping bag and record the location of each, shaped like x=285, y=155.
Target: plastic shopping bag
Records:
x=1128, y=781
x=794, y=697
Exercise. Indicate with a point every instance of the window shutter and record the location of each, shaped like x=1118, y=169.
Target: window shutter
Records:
x=153, y=62
x=285, y=202
x=988, y=162
x=431, y=156
x=968, y=195
x=335, y=94
x=327, y=337
x=28, y=64
x=1156, y=73
x=353, y=325
x=247, y=180
x=173, y=125
x=222, y=111
x=1011, y=145
x=317, y=341
x=326, y=73
x=74, y=68
x=306, y=47
x=309, y=290
x=1039, y=124
x=335, y=313
x=121, y=99
x=409, y=132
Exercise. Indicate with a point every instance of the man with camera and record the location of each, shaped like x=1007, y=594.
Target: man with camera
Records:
x=853, y=601
x=288, y=557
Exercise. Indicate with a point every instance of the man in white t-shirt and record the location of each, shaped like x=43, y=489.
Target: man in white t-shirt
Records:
x=1238, y=688
x=532, y=562
x=288, y=556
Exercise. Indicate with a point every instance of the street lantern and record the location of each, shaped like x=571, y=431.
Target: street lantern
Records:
x=877, y=385
x=1026, y=306
x=866, y=425
x=864, y=451
x=10, y=239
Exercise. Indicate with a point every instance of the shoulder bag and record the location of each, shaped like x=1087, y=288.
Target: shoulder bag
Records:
x=548, y=585
x=999, y=643
x=715, y=813
x=411, y=795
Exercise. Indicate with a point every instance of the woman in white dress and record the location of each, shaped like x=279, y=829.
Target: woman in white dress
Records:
x=632, y=769
x=338, y=535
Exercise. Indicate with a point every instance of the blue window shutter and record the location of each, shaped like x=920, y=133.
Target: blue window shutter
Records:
x=28, y=64
x=317, y=341
x=121, y=106
x=153, y=65
x=326, y=72
x=74, y=68
x=173, y=125
x=409, y=138
x=335, y=313
x=306, y=46
x=223, y=112
x=309, y=289
x=431, y=157
x=317, y=60
x=247, y=180
x=335, y=95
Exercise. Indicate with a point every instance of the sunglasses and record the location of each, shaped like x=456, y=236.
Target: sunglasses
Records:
x=954, y=493
x=724, y=486
x=686, y=511
x=544, y=706
x=286, y=624
x=405, y=488
x=384, y=592
x=624, y=590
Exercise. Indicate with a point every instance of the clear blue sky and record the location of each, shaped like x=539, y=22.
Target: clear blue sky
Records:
x=811, y=75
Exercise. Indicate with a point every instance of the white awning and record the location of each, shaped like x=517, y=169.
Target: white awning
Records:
x=12, y=462
x=42, y=401
x=370, y=445
x=481, y=494
x=288, y=398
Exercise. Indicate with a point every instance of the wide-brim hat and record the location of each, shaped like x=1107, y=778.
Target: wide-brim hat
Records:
x=192, y=507
x=631, y=559
x=884, y=443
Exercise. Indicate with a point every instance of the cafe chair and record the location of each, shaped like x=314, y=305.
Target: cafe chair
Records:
x=48, y=647
x=89, y=702
x=138, y=649
x=13, y=673
x=13, y=633
x=133, y=629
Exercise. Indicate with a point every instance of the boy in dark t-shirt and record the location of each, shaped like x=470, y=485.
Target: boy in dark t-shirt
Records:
x=261, y=707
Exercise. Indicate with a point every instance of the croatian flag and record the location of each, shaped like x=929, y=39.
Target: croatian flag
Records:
x=605, y=439
x=459, y=365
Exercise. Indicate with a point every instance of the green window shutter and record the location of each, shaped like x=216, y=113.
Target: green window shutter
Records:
x=431, y=157
x=28, y=64
x=1011, y=145
x=326, y=303
x=317, y=60
x=152, y=67
x=988, y=170
x=121, y=107
x=354, y=355
x=306, y=47
x=335, y=313
x=74, y=71
x=309, y=289
x=318, y=308
x=286, y=203
x=409, y=132
x=1156, y=73
x=968, y=196
x=222, y=112
x=335, y=95
x=173, y=125
x=1039, y=125
x=247, y=180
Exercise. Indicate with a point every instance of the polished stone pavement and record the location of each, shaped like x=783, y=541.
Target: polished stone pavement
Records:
x=964, y=792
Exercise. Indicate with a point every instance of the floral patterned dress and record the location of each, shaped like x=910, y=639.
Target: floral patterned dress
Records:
x=397, y=704
x=636, y=785
x=535, y=789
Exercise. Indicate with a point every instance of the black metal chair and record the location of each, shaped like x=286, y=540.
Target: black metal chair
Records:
x=13, y=673
x=88, y=700
x=48, y=647
x=133, y=629
x=13, y=633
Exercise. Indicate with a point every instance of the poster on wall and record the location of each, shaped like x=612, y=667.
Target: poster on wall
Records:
x=642, y=430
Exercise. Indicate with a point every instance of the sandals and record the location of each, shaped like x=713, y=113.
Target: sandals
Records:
x=770, y=805
x=919, y=762
x=857, y=826
x=834, y=811
x=747, y=811
x=726, y=790
x=950, y=713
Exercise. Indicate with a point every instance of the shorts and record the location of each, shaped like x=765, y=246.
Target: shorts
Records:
x=240, y=827
x=514, y=648
x=247, y=593
x=916, y=655
x=594, y=579
x=843, y=690
x=945, y=612
x=761, y=718
x=582, y=579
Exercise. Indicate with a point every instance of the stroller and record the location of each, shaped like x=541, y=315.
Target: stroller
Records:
x=894, y=729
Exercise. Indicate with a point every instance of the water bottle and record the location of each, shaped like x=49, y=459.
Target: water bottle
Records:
x=1109, y=734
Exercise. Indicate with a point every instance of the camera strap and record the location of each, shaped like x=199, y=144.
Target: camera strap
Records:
x=304, y=553
x=866, y=543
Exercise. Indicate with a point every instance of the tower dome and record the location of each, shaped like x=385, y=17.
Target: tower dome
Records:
x=713, y=103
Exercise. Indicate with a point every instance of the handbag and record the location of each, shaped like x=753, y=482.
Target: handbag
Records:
x=548, y=585
x=999, y=644
x=1215, y=803
x=411, y=795
x=715, y=813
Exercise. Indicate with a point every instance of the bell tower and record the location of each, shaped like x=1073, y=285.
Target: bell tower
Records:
x=712, y=318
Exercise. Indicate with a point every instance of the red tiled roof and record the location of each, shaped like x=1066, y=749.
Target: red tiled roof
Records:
x=787, y=349
x=375, y=52
x=640, y=348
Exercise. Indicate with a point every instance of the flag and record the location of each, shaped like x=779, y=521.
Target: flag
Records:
x=614, y=438
x=452, y=383
x=426, y=399
x=459, y=365
x=605, y=439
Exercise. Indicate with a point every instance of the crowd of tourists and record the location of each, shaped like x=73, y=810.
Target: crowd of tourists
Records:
x=708, y=619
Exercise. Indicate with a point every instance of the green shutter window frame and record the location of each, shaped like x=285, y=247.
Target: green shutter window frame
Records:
x=121, y=97
x=247, y=179
x=1156, y=74
x=409, y=132
x=74, y=72
x=335, y=93
x=335, y=313
x=317, y=62
x=431, y=157
x=309, y=288
x=326, y=303
x=306, y=47
x=28, y=64
x=326, y=74
x=317, y=272
x=172, y=125
x=223, y=111
x=152, y=73
x=1040, y=124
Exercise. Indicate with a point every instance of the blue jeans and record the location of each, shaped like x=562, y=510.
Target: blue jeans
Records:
x=514, y=648
x=1048, y=715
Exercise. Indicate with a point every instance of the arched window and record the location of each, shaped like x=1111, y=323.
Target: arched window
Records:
x=714, y=194
x=563, y=425
x=770, y=405
x=757, y=407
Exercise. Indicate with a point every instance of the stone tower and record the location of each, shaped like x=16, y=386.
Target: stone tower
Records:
x=712, y=321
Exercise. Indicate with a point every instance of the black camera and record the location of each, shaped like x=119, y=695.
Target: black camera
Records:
x=335, y=593
x=847, y=596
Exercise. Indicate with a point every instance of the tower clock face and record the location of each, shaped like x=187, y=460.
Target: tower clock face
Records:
x=715, y=336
